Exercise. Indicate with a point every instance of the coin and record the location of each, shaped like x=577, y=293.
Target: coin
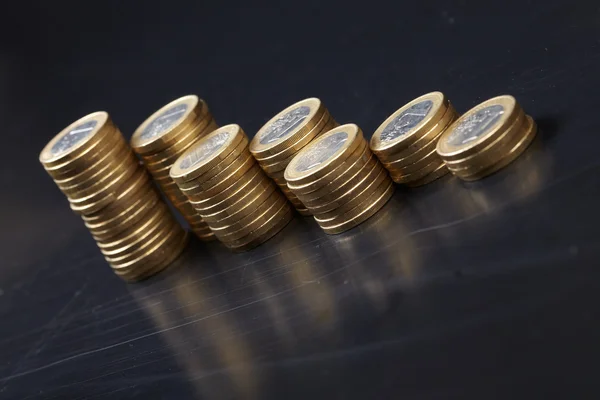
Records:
x=408, y=124
x=360, y=214
x=104, y=183
x=478, y=143
x=163, y=137
x=285, y=127
x=432, y=176
x=323, y=155
x=225, y=185
x=208, y=153
x=512, y=154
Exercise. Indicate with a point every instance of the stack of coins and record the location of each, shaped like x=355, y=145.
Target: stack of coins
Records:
x=280, y=139
x=94, y=167
x=406, y=142
x=487, y=138
x=339, y=180
x=229, y=190
x=166, y=135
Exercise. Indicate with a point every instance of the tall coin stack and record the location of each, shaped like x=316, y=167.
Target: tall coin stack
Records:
x=166, y=135
x=280, y=139
x=406, y=142
x=94, y=167
x=230, y=191
x=339, y=180
x=486, y=138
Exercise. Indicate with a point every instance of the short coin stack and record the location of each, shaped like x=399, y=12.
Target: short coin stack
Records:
x=163, y=137
x=230, y=191
x=339, y=180
x=406, y=142
x=94, y=167
x=280, y=139
x=486, y=138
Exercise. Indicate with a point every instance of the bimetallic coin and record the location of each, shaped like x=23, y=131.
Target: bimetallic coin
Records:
x=410, y=122
x=286, y=127
x=323, y=154
x=436, y=174
x=476, y=128
x=512, y=154
x=72, y=140
x=207, y=152
x=157, y=131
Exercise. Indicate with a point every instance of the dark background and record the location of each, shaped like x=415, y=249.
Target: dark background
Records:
x=480, y=291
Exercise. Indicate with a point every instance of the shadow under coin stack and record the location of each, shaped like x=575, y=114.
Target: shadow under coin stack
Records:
x=94, y=167
x=163, y=137
x=339, y=180
x=280, y=139
x=406, y=142
x=486, y=138
x=230, y=191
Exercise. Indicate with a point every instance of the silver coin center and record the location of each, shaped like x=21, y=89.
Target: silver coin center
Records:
x=406, y=121
x=204, y=150
x=475, y=125
x=164, y=121
x=74, y=136
x=285, y=125
x=321, y=151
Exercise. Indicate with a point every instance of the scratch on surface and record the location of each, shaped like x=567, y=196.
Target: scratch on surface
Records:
x=360, y=259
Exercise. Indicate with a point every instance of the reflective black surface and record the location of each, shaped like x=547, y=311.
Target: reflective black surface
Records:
x=483, y=290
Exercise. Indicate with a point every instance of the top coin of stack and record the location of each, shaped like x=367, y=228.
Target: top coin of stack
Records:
x=486, y=138
x=280, y=139
x=228, y=189
x=163, y=137
x=339, y=180
x=94, y=167
x=405, y=143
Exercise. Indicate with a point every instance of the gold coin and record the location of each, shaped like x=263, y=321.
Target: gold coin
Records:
x=246, y=185
x=408, y=124
x=129, y=217
x=168, y=124
x=239, y=169
x=402, y=177
x=248, y=223
x=287, y=127
x=412, y=168
x=352, y=174
x=478, y=127
x=245, y=206
x=427, y=137
x=432, y=176
x=160, y=260
x=254, y=174
x=157, y=220
x=375, y=204
x=78, y=176
x=92, y=159
x=107, y=184
x=155, y=254
x=496, y=149
x=277, y=221
x=512, y=155
x=152, y=268
x=168, y=155
x=323, y=154
x=122, y=161
x=352, y=198
x=413, y=154
x=294, y=145
x=331, y=176
x=133, y=252
x=76, y=139
x=207, y=153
